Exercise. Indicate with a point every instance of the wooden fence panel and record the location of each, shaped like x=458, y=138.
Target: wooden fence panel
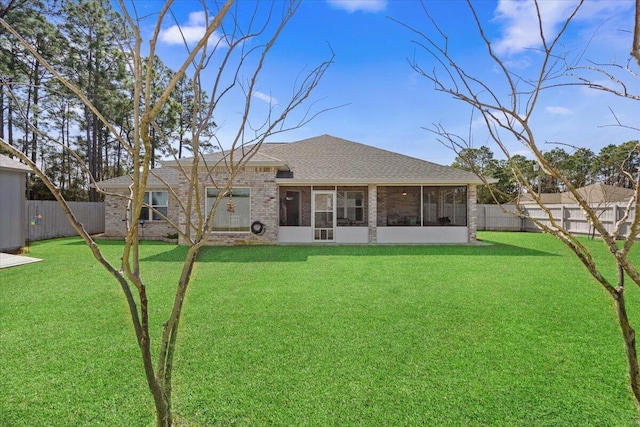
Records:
x=46, y=220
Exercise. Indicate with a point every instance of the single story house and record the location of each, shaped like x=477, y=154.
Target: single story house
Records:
x=317, y=190
x=13, y=180
x=594, y=194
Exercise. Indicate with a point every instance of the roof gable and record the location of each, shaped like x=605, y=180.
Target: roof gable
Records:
x=158, y=178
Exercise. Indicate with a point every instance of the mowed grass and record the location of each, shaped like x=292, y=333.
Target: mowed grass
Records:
x=514, y=333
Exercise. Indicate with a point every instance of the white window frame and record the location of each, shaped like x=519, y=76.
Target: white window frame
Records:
x=150, y=213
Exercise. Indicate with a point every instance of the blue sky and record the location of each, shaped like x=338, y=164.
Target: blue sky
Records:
x=388, y=104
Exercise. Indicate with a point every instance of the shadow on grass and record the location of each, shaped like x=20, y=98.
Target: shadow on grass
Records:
x=76, y=241
x=302, y=253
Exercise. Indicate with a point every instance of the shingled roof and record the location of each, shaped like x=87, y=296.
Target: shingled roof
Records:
x=593, y=194
x=327, y=159
x=8, y=163
x=156, y=179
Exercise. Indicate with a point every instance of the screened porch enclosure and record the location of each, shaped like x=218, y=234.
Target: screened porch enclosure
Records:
x=422, y=206
x=394, y=214
x=323, y=214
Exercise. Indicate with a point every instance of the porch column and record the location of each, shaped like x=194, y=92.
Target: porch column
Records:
x=373, y=213
x=472, y=212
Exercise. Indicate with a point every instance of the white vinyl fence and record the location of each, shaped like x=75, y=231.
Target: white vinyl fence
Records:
x=491, y=217
x=46, y=220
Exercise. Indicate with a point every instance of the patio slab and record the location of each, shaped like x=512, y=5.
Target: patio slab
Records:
x=8, y=260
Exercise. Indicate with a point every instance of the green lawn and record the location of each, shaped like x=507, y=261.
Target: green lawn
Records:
x=510, y=334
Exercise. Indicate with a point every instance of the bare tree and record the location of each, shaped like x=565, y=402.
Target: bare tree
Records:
x=231, y=53
x=507, y=109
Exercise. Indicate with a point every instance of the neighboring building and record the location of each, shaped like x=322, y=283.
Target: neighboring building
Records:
x=322, y=189
x=594, y=194
x=12, y=194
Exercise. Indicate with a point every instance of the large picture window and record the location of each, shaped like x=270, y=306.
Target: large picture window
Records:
x=444, y=206
x=156, y=200
x=234, y=211
x=350, y=207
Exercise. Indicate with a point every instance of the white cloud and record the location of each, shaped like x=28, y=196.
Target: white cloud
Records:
x=191, y=32
x=594, y=9
x=563, y=111
x=522, y=30
x=264, y=97
x=355, y=5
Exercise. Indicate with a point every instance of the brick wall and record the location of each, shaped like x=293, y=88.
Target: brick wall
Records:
x=372, y=212
x=117, y=216
x=265, y=207
x=472, y=211
x=264, y=203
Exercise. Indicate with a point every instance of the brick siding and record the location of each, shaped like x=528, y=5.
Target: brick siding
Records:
x=117, y=216
x=263, y=198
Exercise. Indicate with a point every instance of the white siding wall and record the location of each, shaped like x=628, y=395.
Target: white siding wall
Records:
x=12, y=189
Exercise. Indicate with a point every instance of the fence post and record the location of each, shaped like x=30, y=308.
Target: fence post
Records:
x=484, y=210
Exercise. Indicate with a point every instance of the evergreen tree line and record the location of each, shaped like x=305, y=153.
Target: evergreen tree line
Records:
x=86, y=42
x=614, y=165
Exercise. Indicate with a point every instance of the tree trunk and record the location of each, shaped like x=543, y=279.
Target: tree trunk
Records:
x=91, y=118
x=36, y=112
x=164, y=418
x=629, y=336
x=27, y=117
x=12, y=66
x=10, y=121
x=2, y=111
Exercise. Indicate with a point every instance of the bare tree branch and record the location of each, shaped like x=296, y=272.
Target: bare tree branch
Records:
x=507, y=113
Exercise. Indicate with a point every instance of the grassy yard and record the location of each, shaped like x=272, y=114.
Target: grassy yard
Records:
x=510, y=334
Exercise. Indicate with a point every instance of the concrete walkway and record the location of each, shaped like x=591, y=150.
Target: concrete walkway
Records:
x=7, y=260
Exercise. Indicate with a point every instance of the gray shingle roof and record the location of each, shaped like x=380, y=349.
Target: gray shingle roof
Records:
x=218, y=159
x=157, y=178
x=8, y=163
x=327, y=159
x=594, y=193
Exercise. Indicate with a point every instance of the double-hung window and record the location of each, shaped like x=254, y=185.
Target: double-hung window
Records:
x=233, y=213
x=155, y=204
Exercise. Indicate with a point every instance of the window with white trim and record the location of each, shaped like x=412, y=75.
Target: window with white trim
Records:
x=233, y=213
x=156, y=203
